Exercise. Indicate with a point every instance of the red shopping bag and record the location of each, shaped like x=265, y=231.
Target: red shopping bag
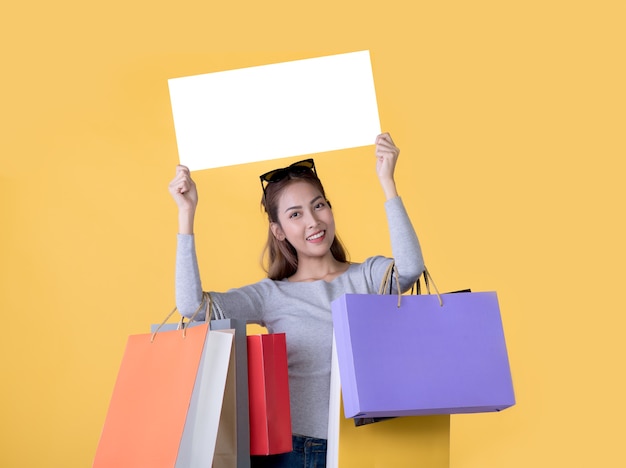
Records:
x=268, y=385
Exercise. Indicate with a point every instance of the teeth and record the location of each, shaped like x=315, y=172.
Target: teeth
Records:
x=316, y=236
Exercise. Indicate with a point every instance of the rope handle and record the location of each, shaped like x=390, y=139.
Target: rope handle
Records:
x=392, y=272
x=181, y=324
x=387, y=281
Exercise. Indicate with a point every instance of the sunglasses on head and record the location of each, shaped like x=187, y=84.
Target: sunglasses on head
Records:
x=296, y=168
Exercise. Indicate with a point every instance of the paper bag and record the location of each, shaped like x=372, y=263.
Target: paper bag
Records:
x=421, y=358
x=268, y=382
x=206, y=416
x=147, y=421
x=233, y=437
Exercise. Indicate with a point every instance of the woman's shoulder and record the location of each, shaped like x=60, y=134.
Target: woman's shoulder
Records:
x=371, y=269
x=371, y=262
x=264, y=285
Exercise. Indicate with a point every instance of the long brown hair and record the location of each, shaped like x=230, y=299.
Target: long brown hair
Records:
x=282, y=258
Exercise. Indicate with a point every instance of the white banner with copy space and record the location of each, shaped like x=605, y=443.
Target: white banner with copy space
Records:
x=275, y=111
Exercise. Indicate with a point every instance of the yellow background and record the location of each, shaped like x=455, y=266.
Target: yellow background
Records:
x=510, y=117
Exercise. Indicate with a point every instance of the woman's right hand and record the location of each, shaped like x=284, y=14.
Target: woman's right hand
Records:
x=183, y=191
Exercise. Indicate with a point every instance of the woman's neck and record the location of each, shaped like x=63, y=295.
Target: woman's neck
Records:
x=318, y=269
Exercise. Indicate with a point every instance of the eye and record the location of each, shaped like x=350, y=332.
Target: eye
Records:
x=294, y=214
x=320, y=205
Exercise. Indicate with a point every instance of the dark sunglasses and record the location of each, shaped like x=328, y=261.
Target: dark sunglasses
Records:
x=296, y=168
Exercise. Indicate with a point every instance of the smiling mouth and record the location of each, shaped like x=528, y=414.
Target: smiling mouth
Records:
x=315, y=236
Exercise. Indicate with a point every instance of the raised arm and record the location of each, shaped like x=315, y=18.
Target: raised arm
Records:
x=188, y=284
x=405, y=246
x=184, y=192
x=386, y=158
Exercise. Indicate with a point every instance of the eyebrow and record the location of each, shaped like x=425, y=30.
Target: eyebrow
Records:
x=298, y=207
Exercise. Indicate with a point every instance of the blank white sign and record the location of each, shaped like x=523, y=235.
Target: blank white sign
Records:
x=275, y=111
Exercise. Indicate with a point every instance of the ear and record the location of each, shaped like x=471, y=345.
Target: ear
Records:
x=277, y=231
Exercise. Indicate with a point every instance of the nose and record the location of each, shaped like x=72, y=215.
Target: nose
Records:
x=312, y=219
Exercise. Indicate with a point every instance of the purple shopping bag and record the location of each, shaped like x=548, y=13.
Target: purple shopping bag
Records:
x=421, y=358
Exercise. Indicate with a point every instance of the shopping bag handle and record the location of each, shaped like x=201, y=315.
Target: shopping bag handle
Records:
x=392, y=272
x=203, y=302
x=427, y=280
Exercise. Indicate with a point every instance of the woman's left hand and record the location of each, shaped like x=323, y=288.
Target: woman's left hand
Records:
x=386, y=158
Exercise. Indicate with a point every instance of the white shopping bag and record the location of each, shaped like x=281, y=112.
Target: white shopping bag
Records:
x=198, y=443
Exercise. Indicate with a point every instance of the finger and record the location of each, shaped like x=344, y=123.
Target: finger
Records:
x=388, y=152
x=177, y=183
x=384, y=137
x=182, y=175
x=181, y=184
x=386, y=147
x=187, y=185
x=387, y=143
x=182, y=169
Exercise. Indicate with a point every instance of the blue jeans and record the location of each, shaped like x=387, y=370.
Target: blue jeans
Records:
x=308, y=452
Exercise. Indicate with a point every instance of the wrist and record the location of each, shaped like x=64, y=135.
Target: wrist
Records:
x=185, y=222
x=389, y=188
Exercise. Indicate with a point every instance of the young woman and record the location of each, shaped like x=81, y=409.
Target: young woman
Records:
x=307, y=270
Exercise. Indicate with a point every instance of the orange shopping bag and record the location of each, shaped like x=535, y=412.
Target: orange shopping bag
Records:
x=166, y=406
x=139, y=429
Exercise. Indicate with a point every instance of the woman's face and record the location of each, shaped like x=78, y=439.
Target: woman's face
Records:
x=305, y=220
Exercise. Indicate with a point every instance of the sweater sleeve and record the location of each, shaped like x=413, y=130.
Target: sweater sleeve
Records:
x=245, y=303
x=405, y=246
x=187, y=277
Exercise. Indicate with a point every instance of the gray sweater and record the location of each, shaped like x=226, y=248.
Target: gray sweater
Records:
x=302, y=311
